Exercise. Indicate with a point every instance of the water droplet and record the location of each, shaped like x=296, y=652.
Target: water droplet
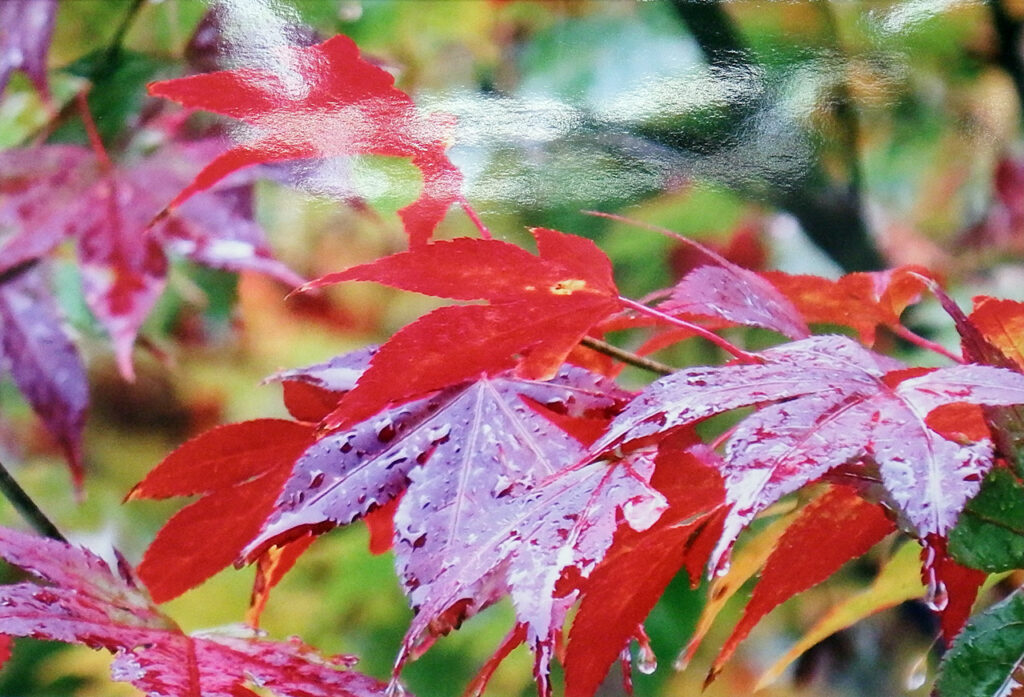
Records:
x=646, y=661
x=937, y=598
x=438, y=433
x=918, y=673
x=385, y=431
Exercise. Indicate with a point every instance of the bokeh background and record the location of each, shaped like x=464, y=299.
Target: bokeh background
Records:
x=814, y=137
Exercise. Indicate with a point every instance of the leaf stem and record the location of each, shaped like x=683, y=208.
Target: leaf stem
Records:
x=626, y=356
x=26, y=507
x=928, y=344
x=95, y=141
x=718, y=341
x=484, y=231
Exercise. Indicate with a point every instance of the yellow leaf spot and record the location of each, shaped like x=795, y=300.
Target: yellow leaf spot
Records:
x=568, y=287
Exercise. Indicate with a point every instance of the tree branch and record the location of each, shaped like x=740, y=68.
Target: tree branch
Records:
x=1008, y=32
x=626, y=356
x=829, y=212
x=26, y=507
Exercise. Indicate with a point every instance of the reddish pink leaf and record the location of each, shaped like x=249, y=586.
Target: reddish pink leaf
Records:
x=86, y=603
x=346, y=106
x=44, y=363
x=829, y=405
x=718, y=288
x=609, y=614
x=26, y=29
x=40, y=189
x=540, y=309
x=239, y=470
x=54, y=192
x=833, y=529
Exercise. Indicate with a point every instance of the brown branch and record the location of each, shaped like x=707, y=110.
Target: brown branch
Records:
x=627, y=357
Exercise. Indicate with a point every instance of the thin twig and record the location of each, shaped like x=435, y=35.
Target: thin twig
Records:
x=918, y=340
x=626, y=356
x=484, y=231
x=26, y=507
x=95, y=141
x=718, y=341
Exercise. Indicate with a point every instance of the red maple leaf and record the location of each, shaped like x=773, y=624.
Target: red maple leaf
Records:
x=324, y=101
x=826, y=402
x=838, y=526
x=85, y=602
x=239, y=471
x=539, y=309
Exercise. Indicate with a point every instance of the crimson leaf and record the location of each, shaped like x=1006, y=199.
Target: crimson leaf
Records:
x=540, y=307
x=345, y=106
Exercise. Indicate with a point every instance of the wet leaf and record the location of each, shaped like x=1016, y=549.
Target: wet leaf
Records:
x=987, y=659
x=84, y=602
x=608, y=617
x=830, y=402
x=540, y=307
x=990, y=532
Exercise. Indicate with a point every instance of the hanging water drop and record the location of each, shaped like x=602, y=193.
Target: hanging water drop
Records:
x=918, y=673
x=646, y=661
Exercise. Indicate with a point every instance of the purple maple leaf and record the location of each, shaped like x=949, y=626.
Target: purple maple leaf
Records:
x=85, y=602
x=26, y=29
